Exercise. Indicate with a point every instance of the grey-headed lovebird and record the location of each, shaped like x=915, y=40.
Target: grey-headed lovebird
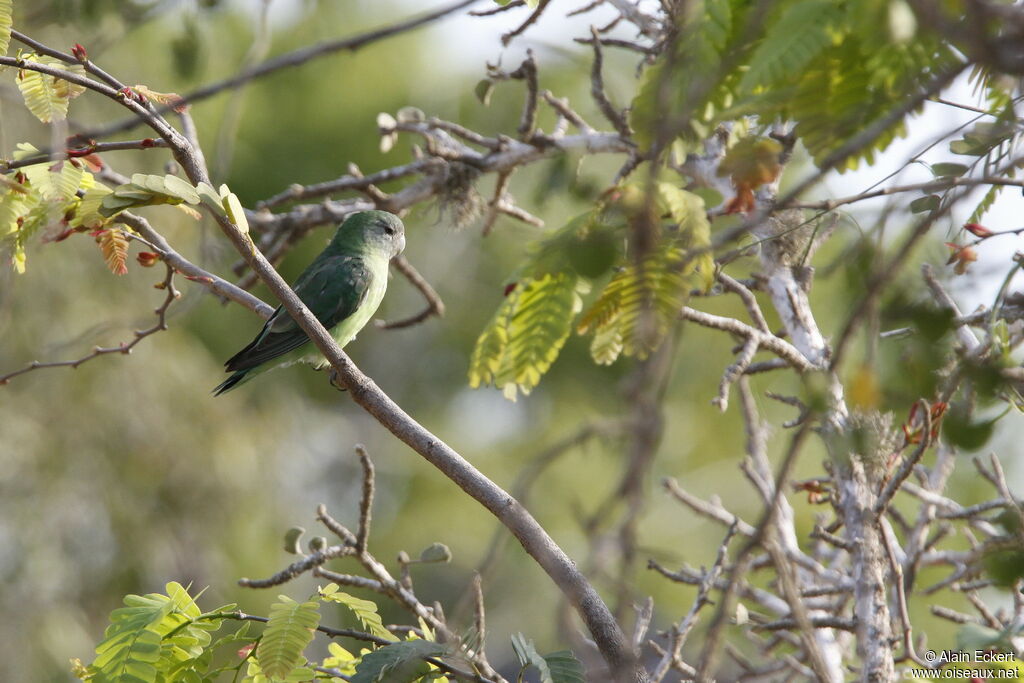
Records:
x=343, y=287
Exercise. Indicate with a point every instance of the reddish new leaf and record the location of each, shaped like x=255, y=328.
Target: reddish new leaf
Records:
x=114, y=245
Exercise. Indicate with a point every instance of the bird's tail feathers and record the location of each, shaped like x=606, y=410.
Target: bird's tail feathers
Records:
x=230, y=383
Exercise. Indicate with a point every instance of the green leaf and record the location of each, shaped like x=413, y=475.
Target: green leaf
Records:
x=364, y=610
x=67, y=177
x=5, y=25
x=151, y=190
x=985, y=204
x=850, y=88
x=967, y=148
x=525, y=652
x=17, y=202
x=929, y=202
x=210, y=199
x=182, y=600
x=35, y=214
x=971, y=637
x=47, y=96
x=436, y=552
x=175, y=186
x=688, y=210
x=56, y=181
x=131, y=649
x=288, y=632
x=493, y=341
x=639, y=304
x=606, y=345
x=234, y=210
x=398, y=662
x=564, y=667
x=340, y=658
x=483, y=91
x=1005, y=567
x=526, y=334
x=557, y=667
x=292, y=539
x=965, y=433
x=87, y=213
x=982, y=138
x=681, y=91
x=711, y=196
x=948, y=170
x=804, y=30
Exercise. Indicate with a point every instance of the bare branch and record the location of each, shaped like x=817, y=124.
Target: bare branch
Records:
x=300, y=567
x=570, y=114
x=76, y=151
x=619, y=42
x=936, y=185
x=191, y=271
x=527, y=71
x=748, y=299
x=335, y=526
x=530, y=20
x=908, y=463
x=497, y=10
x=710, y=510
x=778, y=346
x=123, y=348
x=681, y=631
x=434, y=304
x=614, y=116
x=366, y=501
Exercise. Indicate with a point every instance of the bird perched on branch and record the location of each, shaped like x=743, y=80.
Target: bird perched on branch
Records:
x=342, y=287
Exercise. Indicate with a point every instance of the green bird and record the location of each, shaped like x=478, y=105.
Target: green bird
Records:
x=343, y=287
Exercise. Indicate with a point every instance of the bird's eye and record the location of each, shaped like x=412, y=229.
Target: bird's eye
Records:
x=389, y=229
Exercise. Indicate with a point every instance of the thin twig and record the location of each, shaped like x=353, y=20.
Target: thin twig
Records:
x=963, y=333
x=123, y=348
x=716, y=630
x=366, y=501
x=497, y=10
x=748, y=299
x=901, y=593
x=681, y=631
x=618, y=42
x=926, y=187
x=530, y=20
x=710, y=510
x=908, y=463
x=561, y=105
x=778, y=346
x=614, y=116
x=76, y=151
x=335, y=526
x=191, y=271
x=299, y=567
x=528, y=71
x=434, y=304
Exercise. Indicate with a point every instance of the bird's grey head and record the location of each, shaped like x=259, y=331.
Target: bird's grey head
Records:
x=373, y=229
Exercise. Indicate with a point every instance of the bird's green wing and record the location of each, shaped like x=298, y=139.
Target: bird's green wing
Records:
x=332, y=289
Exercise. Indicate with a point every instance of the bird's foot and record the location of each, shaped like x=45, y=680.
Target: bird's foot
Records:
x=336, y=381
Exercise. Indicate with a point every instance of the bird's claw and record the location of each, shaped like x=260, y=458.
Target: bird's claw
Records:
x=336, y=381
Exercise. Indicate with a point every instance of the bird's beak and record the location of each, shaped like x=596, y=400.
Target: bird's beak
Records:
x=401, y=245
